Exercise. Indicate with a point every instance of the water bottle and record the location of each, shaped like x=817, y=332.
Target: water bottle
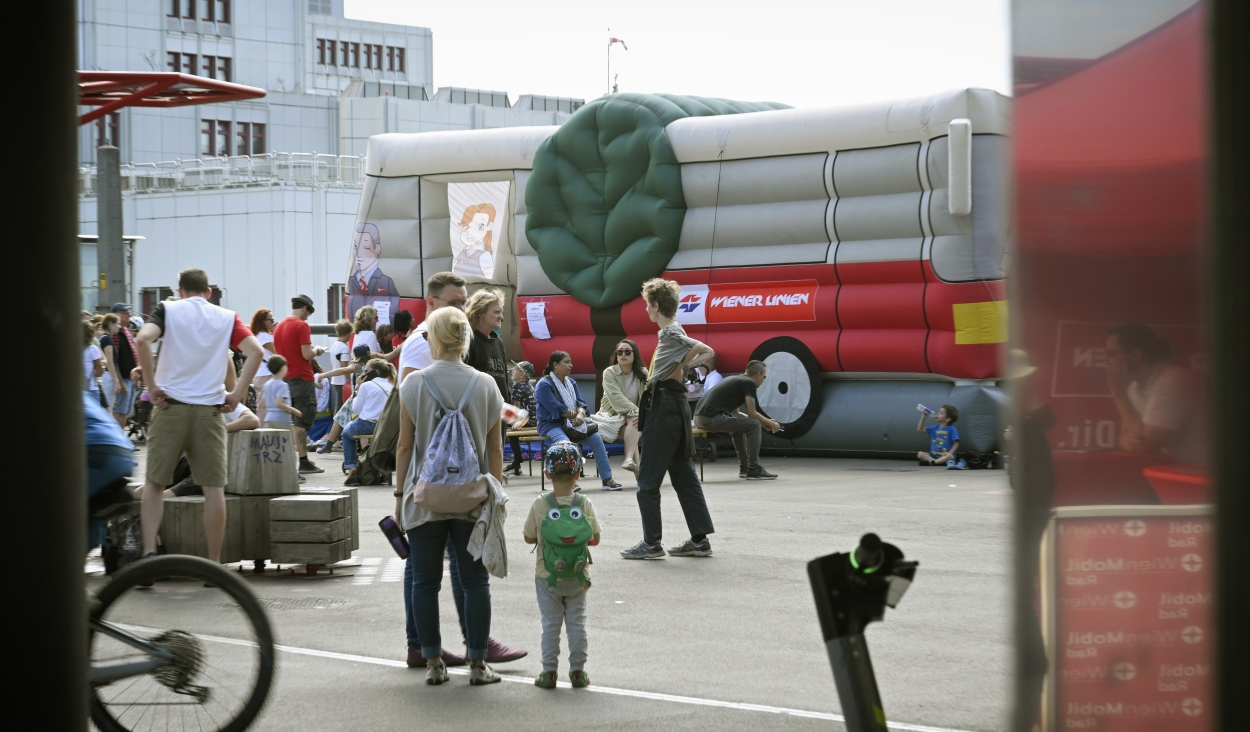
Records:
x=395, y=535
x=923, y=408
x=513, y=415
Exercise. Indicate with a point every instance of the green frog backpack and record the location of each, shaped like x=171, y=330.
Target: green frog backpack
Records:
x=566, y=532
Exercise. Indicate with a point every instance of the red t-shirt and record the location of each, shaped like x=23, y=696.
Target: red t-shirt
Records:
x=288, y=337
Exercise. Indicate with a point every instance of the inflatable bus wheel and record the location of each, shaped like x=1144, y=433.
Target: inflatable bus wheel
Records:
x=791, y=394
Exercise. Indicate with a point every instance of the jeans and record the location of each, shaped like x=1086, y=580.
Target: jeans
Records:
x=564, y=604
x=105, y=464
x=457, y=594
x=595, y=442
x=357, y=427
x=744, y=431
x=427, y=543
x=663, y=449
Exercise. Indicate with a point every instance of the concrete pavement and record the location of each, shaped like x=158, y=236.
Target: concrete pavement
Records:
x=729, y=641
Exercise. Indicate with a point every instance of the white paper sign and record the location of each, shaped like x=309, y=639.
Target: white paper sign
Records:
x=536, y=314
x=384, y=311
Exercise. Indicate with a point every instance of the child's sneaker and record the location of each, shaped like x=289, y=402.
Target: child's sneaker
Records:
x=546, y=680
x=952, y=464
x=479, y=675
x=580, y=679
x=963, y=465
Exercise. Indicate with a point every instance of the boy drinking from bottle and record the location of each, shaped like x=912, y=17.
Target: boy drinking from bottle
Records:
x=943, y=438
x=563, y=524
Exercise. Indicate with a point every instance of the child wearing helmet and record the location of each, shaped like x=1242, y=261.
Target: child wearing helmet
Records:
x=563, y=524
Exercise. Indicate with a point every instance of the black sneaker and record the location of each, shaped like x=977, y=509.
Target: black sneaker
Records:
x=691, y=549
x=742, y=471
x=760, y=474
x=308, y=466
x=643, y=550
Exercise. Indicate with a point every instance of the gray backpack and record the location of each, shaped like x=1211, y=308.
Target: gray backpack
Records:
x=451, y=479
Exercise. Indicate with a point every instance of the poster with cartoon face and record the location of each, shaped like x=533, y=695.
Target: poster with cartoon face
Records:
x=477, y=211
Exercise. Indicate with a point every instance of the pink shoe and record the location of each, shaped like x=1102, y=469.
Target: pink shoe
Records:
x=450, y=659
x=497, y=652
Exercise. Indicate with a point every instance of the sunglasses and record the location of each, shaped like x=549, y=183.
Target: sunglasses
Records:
x=624, y=352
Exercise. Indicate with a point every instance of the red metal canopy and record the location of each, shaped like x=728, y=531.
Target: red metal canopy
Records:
x=112, y=90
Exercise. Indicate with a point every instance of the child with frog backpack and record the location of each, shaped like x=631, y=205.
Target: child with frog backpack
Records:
x=563, y=524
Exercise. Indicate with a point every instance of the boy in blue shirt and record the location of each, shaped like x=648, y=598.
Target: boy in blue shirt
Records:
x=943, y=439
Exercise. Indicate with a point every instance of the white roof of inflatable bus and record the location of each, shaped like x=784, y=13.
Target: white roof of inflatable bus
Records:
x=397, y=155
x=827, y=129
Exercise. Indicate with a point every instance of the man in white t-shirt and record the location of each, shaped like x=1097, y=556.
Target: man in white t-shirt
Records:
x=443, y=290
x=188, y=387
x=1161, y=403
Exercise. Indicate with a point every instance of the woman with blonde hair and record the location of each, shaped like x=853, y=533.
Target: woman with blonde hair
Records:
x=366, y=320
x=449, y=334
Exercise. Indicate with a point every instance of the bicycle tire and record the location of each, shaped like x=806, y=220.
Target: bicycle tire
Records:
x=195, y=568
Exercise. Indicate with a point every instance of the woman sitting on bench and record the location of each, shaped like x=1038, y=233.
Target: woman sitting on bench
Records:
x=562, y=413
x=617, y=417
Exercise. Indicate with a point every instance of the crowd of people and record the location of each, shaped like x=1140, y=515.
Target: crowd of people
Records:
x=446, y=398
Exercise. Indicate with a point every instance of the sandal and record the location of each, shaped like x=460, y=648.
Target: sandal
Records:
x=611, y=485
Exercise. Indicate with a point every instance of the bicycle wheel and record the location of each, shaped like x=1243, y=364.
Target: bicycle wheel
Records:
x=223, y=648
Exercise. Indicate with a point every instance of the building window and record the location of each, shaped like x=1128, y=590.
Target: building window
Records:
x=149, y=296
x=106, y=130
x=320, y=7
x=334, y=302
x=390, y=58
x=223, y=11
x=223, y=68
x=399, y=60
x=356, y=56
x=188, y=63
x=377, y=57
x=209, y=67
x=258, y=139
x=321, y=51
x=188, y=9
x=173, y=61
x=216, y=67
x=332, y=58
x=173, y=9
x=221, y=146
x=368, y=56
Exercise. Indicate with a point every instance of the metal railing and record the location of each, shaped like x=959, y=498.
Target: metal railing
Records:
x=298, y=168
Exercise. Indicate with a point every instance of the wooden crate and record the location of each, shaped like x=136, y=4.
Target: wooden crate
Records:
x=309, y=508
x=182, y=529
x=262, y=462
x=284, y=553
x=310, y=532
x=354, y=493
x=254, y=527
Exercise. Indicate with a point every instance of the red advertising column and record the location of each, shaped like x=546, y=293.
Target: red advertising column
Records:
x=1128, y=603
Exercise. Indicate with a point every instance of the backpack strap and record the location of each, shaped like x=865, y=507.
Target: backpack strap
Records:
x=551, y=500
x=468, y=392
x=579, y=500
x=434, y=392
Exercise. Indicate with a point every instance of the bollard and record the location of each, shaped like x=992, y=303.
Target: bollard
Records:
x=851, y=591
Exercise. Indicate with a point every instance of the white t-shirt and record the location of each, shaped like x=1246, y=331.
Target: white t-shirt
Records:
x=90, y=355
x=367, y=338
x=264, y=339
x=323, y=396
x=275, y=388
x=340, y=354
x=371, y=398
x=415, y=353
x=1172, y=399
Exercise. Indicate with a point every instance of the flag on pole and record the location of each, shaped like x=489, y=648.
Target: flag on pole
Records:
x=617, y=40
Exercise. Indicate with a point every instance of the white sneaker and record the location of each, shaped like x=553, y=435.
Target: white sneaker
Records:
x=630, y=465
x=484, y=674
x=436, y=674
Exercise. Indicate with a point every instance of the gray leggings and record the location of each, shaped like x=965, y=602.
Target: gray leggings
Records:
x=565, y=603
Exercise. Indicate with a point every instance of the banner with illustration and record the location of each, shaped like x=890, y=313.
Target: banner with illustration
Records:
x=478, y=227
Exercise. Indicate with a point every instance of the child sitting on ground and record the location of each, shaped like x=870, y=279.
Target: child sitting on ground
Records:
x=943, y=439
x=522, y=395
x=563, y=525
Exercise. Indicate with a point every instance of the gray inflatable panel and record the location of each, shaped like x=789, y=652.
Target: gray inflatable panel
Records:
x=761, y=180
x=392, y=198
x=885, y=216
x=879, y=418
x=876, y=171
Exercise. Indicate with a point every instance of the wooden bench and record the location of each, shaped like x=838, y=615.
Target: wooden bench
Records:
x=531, y=435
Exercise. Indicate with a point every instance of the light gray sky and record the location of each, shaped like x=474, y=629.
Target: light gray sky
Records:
x=806, y=54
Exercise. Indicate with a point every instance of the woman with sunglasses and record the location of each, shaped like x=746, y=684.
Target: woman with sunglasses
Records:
x=562, y=413
x=623, y=383
x=262, y=328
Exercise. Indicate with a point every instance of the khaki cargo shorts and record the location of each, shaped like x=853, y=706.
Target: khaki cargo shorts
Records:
x=200, y=432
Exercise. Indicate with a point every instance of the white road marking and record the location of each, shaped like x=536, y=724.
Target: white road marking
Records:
x=672, y=698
